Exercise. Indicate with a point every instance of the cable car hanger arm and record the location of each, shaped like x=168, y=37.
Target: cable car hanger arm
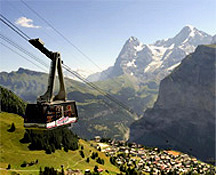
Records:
x=39, y=44
x=56, y=63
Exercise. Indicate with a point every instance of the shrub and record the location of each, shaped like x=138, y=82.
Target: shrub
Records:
x=12, y=128
x=48, y=150
x=9, y=167
x=66, y=149
x=100, y=161
x=88, y=160
x=96, y=168
x=23, y=164
x=82, y=154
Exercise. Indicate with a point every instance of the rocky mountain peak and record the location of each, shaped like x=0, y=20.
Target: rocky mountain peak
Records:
x=188, y=29
x=27, y=71
x=187, y=32
x=22, y=70
x=187, y=35
x=155, y=61
x=132, y=38
x=133, y=44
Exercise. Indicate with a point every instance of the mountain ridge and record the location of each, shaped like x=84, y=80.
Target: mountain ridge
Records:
x=154, y=61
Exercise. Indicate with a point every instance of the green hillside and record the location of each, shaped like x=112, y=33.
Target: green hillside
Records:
x=28, y=84
x=15, y=153
x=97, y=114
x=11, y=103
x=138, y=97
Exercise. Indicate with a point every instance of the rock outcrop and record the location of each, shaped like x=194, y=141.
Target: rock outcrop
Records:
x=183, y=116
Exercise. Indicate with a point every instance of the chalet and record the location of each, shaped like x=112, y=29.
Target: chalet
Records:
x=74, y=172
x=97, y=138
x=100, y=170
x=122, y=148
x=126, y=151
x=87, y=172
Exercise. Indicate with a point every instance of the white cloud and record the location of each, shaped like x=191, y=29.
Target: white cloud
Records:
x=26, y=22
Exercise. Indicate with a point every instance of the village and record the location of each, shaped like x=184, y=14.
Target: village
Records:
x=150, y=160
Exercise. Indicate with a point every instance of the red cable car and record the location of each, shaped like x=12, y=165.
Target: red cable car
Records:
x=51, y=111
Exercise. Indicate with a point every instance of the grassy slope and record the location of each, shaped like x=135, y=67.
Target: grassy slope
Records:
x=14, y=153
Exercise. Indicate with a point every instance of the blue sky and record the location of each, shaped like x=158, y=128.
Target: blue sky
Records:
x=100, y=28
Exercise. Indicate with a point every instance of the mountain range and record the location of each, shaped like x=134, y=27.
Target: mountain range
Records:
x=154, y=61
x=134, y=80
x=97, y=115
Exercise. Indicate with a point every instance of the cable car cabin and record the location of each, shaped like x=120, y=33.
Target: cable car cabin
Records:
x=51, y=111
x=48, y=116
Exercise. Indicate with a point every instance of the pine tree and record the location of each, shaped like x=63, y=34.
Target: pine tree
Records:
x=96, y=168
x=62, y=170
x=88, y=160
x=9, y=167
x=82, y=154
x=65, y=148
x=41, y=172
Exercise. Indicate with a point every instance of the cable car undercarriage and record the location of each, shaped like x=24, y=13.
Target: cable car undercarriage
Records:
x=51, y=111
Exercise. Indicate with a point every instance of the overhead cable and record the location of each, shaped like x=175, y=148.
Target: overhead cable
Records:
x=22, y=56
x=65, y=38
x=14, y=28
x=22, y=49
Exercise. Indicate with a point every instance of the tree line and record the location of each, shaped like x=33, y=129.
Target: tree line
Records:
x=51, y=140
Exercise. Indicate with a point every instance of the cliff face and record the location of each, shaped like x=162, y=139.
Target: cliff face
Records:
x=183, y=116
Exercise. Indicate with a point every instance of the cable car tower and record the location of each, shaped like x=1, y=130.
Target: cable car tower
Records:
x=51, y=110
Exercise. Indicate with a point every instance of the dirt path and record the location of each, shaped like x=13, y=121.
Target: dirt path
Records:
x=17, y=170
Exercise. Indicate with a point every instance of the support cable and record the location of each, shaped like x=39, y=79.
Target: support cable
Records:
x=22, y=56
x=23, y=50
x=66, y=39
x=14, y=28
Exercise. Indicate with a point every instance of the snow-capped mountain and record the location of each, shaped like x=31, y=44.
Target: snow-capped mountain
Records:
x=154, y=61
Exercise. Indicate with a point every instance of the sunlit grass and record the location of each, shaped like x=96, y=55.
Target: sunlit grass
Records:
x=15, y=153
